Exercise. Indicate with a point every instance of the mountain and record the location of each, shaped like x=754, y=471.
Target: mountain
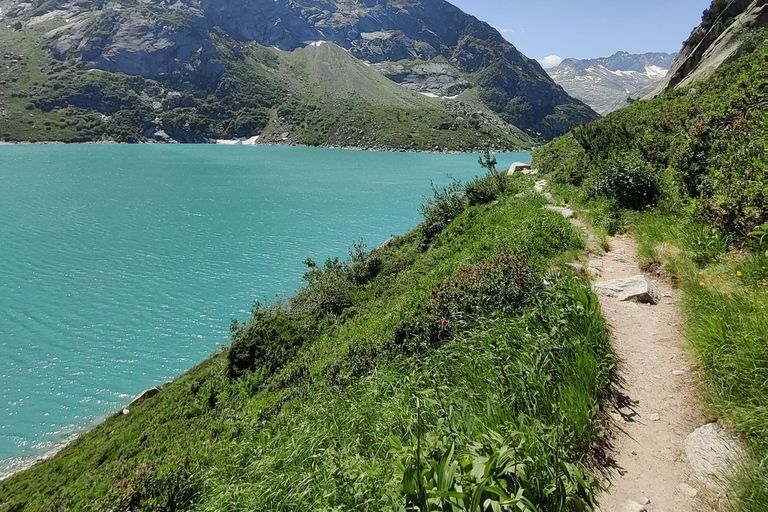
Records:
x=718, y=40
x=197, y=69
x=605, y=83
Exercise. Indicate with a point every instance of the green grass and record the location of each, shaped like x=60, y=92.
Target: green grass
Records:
x=429, y=368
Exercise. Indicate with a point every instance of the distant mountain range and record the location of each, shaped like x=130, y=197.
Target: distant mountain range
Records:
x=417, y=74
x=605, y=83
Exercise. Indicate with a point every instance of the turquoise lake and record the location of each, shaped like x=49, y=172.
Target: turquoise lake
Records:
x=122, y=266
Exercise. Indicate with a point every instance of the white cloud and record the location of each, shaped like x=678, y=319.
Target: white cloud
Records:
x=517, y=31
x=550, y=61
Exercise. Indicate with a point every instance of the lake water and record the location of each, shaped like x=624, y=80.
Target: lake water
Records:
x=122, y=266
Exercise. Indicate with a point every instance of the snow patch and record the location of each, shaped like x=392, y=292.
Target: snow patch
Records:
x=429, y=94
x=655, y=72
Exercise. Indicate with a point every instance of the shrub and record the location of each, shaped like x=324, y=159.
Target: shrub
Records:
x=563, y=160
x=438, y=211
x=601, y=139
x=269, y=339
x=501, y=284
x=485, y=189
x=627, y=178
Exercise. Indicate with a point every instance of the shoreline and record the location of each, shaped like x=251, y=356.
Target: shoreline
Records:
x=276, y=144
x=19, y=464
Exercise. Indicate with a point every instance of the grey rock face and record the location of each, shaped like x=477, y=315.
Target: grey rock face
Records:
x=638, y=288
x=605, y=84
x=435, y=78
x=139, y=42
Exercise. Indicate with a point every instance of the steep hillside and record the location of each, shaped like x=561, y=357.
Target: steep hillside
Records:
x=460, y=364
x=199, y=48
x=605, y=84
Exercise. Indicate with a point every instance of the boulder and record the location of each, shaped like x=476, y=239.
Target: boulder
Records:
x=518, y=167
x=144, y=394
x=712, y=451
x=539, y=186
x=565, y=212
x=638, y=288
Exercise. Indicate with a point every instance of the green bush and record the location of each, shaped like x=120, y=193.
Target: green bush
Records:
x=501, y=284
x=626, y=178
x=602, y=139
x=485, y=189
x=269, y=339
x=438, y=211
x=562, y=160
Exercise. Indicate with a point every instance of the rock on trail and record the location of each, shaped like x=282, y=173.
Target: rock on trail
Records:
x=638, y=288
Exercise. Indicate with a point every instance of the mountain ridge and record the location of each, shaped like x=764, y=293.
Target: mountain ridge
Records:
x=606, y=83
x=194, y=45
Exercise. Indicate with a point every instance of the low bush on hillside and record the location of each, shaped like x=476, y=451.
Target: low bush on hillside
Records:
x=625, y=178
x=438, y=211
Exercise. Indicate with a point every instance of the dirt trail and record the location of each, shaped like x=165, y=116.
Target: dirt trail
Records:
x=651, y=472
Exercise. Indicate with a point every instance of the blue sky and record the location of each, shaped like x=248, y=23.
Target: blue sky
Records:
x=587, y=29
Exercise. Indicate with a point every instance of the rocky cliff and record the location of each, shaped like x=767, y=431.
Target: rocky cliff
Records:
x=716, y=41
x=428, y=46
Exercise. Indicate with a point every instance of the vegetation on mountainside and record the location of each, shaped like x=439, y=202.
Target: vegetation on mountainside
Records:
x=264, y=91
x=466, y=370
x=688, y=179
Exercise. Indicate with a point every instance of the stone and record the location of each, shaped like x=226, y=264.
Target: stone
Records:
x=126, y=411
x=576, y=266
x=388, y=242
x=519, y=167
x=654, y=417
x=687, y=490
x=144, y=394
x=549, y=198
x=565, y=212
x=539, y=186
x=712, y=451
x=596, y=272
x=633, y=506
x=638, y=288
x=678, y=372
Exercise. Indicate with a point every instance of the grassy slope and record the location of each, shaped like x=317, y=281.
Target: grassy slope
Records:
x=705, y=145
x=336, y=426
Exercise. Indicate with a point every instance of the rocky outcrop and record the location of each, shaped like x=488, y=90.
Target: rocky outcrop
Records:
x=605, y=83
x=171, y=45
x=711, y=46
x=438, y=79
